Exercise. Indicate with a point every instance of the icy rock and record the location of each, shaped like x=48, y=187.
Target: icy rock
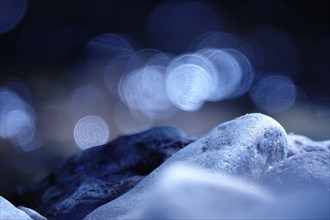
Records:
x=301, y=171
x=191, y=193
x=300, y=144
x=100, y=174
x=9, y=212
x=246, y=147
x=33, y=214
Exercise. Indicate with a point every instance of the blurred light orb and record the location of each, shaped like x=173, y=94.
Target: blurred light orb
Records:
x=228, y=73
x=129, y=121
x=139, y=59
x=114, y=71
x=188, y=86
x=221, y=40
x=11, y=13
x=9, y=101
x=194, y=59
x=246, y=72
x=144, y=90
x=160, y=59
x=274, y=93
x=22, y=131
x=17, y=121
x=91, y=131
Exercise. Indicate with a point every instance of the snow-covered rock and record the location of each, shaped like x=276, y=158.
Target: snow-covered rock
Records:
x=300, y=144
x=9, y=212
x=245, y=147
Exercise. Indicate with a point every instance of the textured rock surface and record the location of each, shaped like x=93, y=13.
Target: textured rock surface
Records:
x=217, y=176
x=33, y=214
x=246, y=146
x=300, y=144
x=305, y=170
x=9, y=212
x=101, y=174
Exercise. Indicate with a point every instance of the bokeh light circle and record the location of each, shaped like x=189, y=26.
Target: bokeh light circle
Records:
x=273, y=93
x=91, y=131
x=228, y=73
x=144, y=90
x=188, y=86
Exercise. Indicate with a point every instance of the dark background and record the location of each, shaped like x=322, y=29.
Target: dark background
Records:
x=45, y=48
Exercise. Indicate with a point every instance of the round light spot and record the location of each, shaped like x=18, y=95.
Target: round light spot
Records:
x=15, y=123
x=228, y=73
x=114, y=70
x=144, y=90
x=273, y=93
x=221, y=40
x=188, y=86
x=160, y=59
x=246, y=72
x=139, y=59
x=91, y=131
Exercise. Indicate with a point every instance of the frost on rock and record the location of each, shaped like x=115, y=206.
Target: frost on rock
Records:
x=245, y=147
x=306, y=170
x=9, y=212
x=300, y=144
x=32, y=213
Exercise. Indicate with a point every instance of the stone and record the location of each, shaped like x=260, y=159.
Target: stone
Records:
x=300, y=144
x=245, y=147
x=299, y=204
x=33, y=214
x=9, y=212
x=187, y=192
x=100, y=174
x=301, y=171
x=192, y=193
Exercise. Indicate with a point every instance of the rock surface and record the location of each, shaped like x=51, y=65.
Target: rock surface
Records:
x=9, y=212
x=304, y=170
x=300, y=144
x=246, y=147
x=192, y=193
x=247, y=168
x=100, y=174
x=300, y=204
x=33, y=214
